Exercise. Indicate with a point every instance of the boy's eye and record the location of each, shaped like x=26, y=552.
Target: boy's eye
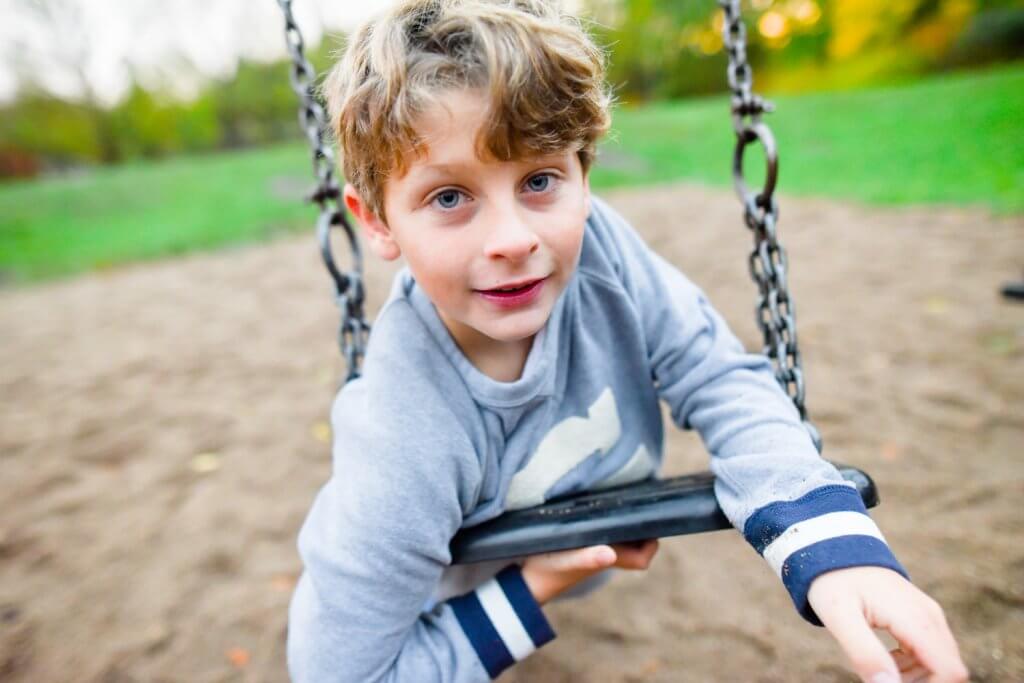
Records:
x=448, y=199
x=539, y=182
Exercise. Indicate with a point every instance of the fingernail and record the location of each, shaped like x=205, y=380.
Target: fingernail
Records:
x=606, y=555
x=885, y=677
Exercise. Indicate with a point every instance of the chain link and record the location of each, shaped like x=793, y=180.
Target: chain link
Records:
x=774, y=311
x=349, y=294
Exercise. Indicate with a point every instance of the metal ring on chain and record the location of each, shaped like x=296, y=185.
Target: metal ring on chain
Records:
x=756, y=132
x=324, y=223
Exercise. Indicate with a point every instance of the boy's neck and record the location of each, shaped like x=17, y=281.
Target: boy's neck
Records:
x=502, y=361
x=505, y=364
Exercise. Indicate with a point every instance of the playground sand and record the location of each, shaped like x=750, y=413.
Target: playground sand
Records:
x=163, y=434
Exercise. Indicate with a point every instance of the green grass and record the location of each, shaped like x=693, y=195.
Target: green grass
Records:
x=148, y=210
x=953, y=140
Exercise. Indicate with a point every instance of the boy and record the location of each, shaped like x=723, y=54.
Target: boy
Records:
x=521, y=356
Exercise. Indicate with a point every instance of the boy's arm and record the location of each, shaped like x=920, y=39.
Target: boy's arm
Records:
x=792, y=506
x=374, y=545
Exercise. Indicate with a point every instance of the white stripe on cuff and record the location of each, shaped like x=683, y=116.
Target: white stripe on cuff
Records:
x=505, y=620
x=811, y=531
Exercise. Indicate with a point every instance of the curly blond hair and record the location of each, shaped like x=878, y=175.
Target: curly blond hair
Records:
x=535, y=65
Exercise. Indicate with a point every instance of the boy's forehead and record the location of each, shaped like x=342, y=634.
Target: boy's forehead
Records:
x=448, y=112
x=442, y=159
x=445, y=134
x=449, y=140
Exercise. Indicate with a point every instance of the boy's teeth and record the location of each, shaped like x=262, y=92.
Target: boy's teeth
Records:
x=520, y=288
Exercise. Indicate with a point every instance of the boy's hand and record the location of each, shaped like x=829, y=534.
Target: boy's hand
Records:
x=850, y=602
x=551, y=574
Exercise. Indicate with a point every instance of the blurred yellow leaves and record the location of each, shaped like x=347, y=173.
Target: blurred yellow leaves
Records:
x=892, y=451
x=777, y=25
x=806, y=12
x=326, y=375
x=854, y=25
x=238, y=656
x=321, y=431
x=283, y=583
x=936, y=305
x=1000, y=343
x=204, y=463
x=773, y=25
x=935, y=36
x=705, y=40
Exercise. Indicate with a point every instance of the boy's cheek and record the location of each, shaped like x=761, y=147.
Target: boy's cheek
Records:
x=569, y=242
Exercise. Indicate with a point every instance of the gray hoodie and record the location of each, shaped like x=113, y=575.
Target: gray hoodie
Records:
x=426, y=444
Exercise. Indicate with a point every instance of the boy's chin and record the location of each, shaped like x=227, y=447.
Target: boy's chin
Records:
x=511, y=331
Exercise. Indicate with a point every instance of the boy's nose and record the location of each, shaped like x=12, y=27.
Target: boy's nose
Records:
x=511, y=239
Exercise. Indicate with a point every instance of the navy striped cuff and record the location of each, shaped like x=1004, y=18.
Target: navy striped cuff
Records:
x=826, y=529
x=503, y=621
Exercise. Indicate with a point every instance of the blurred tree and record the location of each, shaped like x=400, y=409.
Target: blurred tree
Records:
x=659, y=47
x=40, y=125
x=198, y=125
x=149, y=125
x=665, y=48
x=68, y=48
x=144, y=127
x=995, y=34
x=255, y=106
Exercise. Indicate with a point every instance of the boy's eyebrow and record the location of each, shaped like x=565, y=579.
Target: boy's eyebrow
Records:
x=450, y=168
x=423, y=177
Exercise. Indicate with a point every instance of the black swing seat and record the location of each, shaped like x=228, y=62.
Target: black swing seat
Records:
x=652, y=509
x=1014, y=290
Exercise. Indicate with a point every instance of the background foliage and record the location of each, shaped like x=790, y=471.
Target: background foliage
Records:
x=659, y=49
x=887, y=145
x=255, y=107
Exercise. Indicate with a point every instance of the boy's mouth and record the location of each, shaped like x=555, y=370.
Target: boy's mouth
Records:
x=513, y=287
x=514, y=293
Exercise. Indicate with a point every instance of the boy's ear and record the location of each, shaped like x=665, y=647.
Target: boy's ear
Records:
x=378, y=234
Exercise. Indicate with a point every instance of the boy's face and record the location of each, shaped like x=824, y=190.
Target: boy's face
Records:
x=492, y=243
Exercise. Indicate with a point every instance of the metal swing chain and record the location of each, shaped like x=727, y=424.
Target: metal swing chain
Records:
x=349, y=293
x=775, y=311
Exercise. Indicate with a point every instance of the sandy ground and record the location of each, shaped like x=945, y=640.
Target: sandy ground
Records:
x=162, y=436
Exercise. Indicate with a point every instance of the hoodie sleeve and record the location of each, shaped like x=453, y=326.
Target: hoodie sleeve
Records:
x=792, y=506
x=374, y=545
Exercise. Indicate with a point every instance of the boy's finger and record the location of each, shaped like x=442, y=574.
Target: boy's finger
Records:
x=631, y=557
x=866, y=653
x=598, y=557
x=928, y=638
x=647, y=547
x=595, y=557
x=911, y=670
x=904, y=661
